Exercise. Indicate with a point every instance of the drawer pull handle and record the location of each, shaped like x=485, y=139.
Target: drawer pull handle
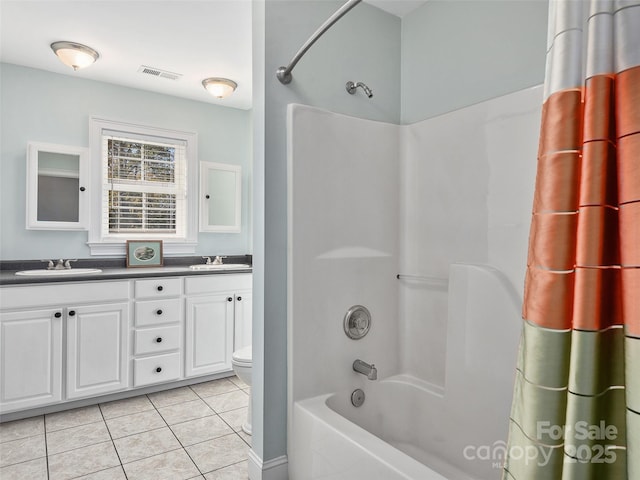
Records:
x=158, y=312
x=159, y=340
x=160, y=288
x=158, y=370
x=229, y=299
x=72, y=313
x=239, y=299
x=57, y=314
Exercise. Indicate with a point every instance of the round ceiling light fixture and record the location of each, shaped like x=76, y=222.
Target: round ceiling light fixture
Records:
x=74, y=55
x=219, y=87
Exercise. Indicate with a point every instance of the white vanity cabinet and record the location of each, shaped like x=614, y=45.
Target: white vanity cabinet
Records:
x=214, y=302
x=158, y=329
x=97, y=349
x=92, y=317
x=30, y=358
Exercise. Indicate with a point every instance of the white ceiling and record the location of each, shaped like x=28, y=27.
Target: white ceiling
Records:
x=194, y=38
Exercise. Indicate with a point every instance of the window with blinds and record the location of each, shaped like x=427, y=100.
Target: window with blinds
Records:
x=144, y=187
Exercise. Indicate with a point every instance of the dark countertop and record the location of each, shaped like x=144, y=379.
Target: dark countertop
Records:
x=114, y=269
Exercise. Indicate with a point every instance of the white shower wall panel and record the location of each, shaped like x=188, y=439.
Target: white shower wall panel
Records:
x=343, y=247
x=467, y=180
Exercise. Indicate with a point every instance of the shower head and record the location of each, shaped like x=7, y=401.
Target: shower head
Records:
x=352, y=87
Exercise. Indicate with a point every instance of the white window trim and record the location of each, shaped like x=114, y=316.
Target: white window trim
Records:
x=100, y=245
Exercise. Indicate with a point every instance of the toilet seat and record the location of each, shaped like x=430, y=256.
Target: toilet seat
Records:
x=242, y=356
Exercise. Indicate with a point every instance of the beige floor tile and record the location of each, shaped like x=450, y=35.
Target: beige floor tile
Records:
x=236, y=381
x=22, y=450
x=17, y=429
x=82, y=461
x=183, y=412
x=218, y=453
x=228, y=401
x=31, y=470
x=175, y=465
x=146, y=444
x=171, y=397
x=235, y=418
x=115, y=473
x=72, y=418
x=215, y=387
x=201, y=429
x=135, y=423
x=127, y=406
x=238, y=471
x=77, y=437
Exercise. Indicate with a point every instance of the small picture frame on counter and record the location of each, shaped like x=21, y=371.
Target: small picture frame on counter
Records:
x=144, y=253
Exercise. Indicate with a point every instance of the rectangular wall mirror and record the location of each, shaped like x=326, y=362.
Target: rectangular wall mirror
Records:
x=220, y=197
x=56, y=187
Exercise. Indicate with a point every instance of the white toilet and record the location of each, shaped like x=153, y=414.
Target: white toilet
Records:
x=241, y=360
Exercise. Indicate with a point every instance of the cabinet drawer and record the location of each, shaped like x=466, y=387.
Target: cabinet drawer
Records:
x=160, y=368
x=157, y=312
x=217, y=283
x=158, y=287
x=160, y=339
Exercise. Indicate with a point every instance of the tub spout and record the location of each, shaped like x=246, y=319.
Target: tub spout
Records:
x=364, y=368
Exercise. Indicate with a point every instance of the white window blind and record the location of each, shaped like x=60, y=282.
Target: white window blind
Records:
x=144, y=190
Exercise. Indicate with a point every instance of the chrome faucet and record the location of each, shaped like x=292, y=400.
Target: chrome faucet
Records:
x=217, y=260
x=60, y=264
x=365, y=369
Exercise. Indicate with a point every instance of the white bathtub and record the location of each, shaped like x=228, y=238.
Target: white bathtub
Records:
x=334, y=440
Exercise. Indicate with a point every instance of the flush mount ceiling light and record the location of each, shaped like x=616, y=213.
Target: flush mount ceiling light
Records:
x=75, y=55
x=219, y=87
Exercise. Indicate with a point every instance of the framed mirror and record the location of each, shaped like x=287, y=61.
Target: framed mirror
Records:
x=57, y=192
x=220, y=197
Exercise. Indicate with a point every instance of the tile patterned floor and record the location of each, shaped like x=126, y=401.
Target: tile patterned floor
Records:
x=181, y=434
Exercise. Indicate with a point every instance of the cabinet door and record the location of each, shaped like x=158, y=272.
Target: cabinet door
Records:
x=209, y=334
x=30, y=359
x=243, y=319
x=97, y=349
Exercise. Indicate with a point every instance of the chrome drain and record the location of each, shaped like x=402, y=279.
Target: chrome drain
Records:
x=357, y=397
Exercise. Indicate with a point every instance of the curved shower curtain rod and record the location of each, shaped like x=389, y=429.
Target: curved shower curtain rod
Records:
x=284, y=73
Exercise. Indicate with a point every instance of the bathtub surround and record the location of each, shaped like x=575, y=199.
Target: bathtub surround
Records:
x=279, y=30
x=577, y=394
x=379, y=200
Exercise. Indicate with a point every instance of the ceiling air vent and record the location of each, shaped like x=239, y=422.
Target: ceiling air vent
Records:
x=157, y=72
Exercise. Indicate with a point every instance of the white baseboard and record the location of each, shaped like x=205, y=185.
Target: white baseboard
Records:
x=274, y=469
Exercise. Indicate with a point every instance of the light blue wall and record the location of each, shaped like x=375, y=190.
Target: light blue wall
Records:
x=457, y=53
x=48, y=107
x=363, y=46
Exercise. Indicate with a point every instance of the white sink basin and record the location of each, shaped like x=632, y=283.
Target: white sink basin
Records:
x=225, y=266
x=59, y=273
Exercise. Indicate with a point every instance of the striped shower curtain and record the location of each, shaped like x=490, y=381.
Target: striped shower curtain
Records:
x=576, y=405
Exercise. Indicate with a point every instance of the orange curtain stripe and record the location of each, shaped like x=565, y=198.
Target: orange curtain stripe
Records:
x=599, y=118
x=598, y=300
x=552, y=241
x=557, y=182
x=597, y=239
x=548, y=298
x=628, y=102
x=561, y=122
x=598, y=185
x=629, y=169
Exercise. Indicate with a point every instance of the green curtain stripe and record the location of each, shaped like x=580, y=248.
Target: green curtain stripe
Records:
x=536, y=409
x=527, y=460
x=597, y=361
x=544, y=355
x=632, y=360
x=599, y=420
x=611, y=464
